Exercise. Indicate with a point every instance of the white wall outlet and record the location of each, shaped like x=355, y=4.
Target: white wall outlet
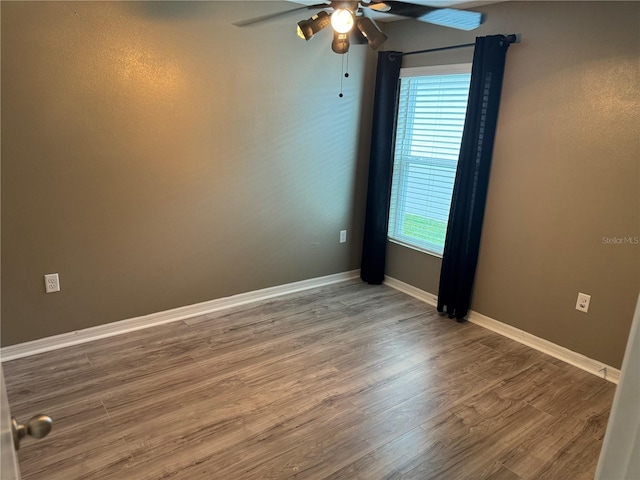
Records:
x=583, y=302
x=343, y=236
x=51, y=283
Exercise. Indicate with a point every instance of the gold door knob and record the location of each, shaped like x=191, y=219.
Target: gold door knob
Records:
x=37, y=427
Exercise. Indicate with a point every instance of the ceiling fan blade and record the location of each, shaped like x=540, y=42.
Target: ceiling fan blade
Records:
x=271, y=16
x=450, y=17
x=446, y=17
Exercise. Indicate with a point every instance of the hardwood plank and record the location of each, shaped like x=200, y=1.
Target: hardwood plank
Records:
x=28, y=377
x=552, y=436
x=71, y=415
x=579, y=456
x=344, y=381
x=496, y=471
x=138, y=350
x=389, y=460
x=96, y=460
x=488, y=427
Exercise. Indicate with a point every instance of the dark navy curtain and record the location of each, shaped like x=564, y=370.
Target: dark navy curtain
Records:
x=380, y=167
x=462, y=243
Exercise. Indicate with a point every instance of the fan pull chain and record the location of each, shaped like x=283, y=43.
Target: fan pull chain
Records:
x=345, y=73
x=341, y=71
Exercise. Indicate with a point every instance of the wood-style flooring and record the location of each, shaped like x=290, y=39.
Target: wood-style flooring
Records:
x=348, y=381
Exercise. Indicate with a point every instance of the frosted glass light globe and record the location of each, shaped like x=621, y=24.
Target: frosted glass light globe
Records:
x=342, y=20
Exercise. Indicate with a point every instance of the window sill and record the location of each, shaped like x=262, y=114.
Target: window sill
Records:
x=414, y=247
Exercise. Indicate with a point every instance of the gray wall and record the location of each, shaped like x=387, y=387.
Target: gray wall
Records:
x=156, y=156
x=565, y=174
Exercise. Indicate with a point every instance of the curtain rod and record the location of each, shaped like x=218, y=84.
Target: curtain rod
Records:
x=511, y=38
x=451, y=47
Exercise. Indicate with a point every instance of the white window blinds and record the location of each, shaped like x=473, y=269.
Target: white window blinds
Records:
x=431, y=114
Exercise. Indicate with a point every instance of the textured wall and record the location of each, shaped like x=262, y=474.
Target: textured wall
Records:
x=565, y=179
x=157, y=156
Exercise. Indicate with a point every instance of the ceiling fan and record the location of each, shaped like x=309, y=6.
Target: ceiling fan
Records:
x=351, y=20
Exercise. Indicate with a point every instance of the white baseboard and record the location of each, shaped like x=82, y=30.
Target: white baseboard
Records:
x=47, y=344
x=561, y=353
x=415, y=292
x=34, y=347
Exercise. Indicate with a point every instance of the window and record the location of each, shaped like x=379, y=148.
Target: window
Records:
x=431, y=112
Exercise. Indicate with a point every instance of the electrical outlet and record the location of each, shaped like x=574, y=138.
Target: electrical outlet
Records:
x=583, y=302
x=51, y=283
x=343, y=236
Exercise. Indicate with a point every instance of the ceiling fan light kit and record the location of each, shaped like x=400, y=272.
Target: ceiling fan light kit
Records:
x=308, y=28
x=371, y=32
x=340, y=43
x=342, y=20
x=343, y=16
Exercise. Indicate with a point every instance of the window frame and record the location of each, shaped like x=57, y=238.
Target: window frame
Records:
x=398, y=238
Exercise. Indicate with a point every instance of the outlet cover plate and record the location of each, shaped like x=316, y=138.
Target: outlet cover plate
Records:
x=51, y=283
x=583, y=302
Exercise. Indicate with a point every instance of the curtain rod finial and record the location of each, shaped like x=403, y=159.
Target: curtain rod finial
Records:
x=514, y=38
